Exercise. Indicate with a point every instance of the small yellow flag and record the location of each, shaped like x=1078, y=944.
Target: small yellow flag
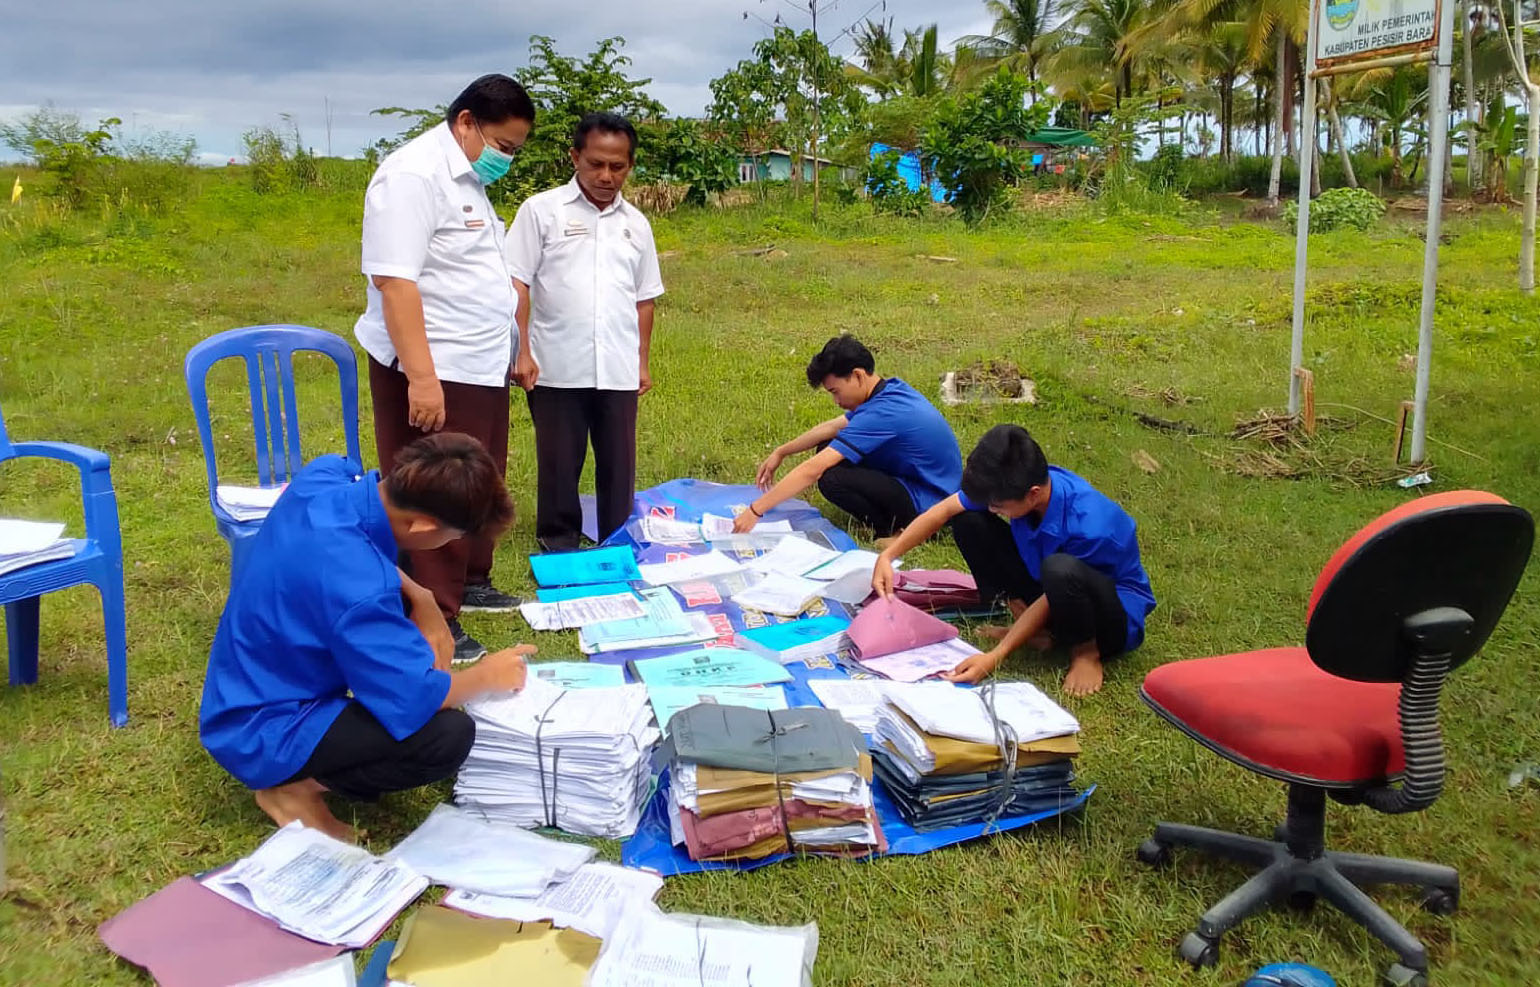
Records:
x=16, y=191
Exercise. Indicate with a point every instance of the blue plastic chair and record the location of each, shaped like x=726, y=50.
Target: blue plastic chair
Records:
x=98, y=560
x=269, y=355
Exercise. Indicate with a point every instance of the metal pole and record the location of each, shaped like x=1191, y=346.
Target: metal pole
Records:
x=1302, y=232
x=1438, y=113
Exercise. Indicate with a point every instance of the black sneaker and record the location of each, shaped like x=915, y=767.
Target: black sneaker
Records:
x=486, y=598
x=467, y=648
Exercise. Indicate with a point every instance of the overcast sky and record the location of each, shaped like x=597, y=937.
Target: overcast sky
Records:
x=212, y=69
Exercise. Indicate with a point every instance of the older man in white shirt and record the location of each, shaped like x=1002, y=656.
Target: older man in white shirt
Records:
x=585, y=269
x=439, y=322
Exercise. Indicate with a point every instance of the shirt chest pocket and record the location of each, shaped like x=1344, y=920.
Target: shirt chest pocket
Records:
x=621, y=254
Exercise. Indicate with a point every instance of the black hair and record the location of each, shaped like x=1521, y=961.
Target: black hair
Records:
x=604, y=123
x=450, y=477
x=840, y=356
x=1005, y=464
x=493, y=99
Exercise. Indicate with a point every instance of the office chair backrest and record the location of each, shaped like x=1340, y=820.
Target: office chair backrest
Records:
x=1465, y=550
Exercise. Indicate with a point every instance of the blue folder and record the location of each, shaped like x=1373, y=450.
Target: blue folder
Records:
x=597, y=565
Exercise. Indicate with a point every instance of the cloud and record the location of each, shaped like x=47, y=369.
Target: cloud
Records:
x=215, y=70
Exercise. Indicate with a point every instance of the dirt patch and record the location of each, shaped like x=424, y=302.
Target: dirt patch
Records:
x=988, y=382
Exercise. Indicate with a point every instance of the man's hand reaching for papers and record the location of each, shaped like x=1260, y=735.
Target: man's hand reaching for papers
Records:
x=764, y=477
x=501, y=671
x=744, y=523
x=974, y=668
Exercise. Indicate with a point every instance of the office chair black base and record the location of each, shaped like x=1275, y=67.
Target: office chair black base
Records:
x=1297, y=869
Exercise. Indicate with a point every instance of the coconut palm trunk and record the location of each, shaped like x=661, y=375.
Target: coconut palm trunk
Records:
x=1279, y=123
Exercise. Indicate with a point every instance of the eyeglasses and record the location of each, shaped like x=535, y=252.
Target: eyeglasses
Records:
x=509, y=149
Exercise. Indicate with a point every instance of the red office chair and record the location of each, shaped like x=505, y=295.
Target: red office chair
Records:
x=1406, y=600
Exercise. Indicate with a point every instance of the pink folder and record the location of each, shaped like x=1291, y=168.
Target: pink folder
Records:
x=887, y=627
x=187, y=936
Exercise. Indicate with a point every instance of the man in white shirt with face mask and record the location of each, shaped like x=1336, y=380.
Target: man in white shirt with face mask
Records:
x=585, y=269
x=439, y=322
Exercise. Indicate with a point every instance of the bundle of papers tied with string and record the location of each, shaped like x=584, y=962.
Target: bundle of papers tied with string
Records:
x=948, y=755
x=573, y=759
x=749, y=783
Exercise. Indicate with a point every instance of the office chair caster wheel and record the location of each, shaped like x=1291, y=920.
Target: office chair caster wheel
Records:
x=1441, y=902
x=1154, y=854
x=1301, y=901
x=1200, y=952
x=1400, y=975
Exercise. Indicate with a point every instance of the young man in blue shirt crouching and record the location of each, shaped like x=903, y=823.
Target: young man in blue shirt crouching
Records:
x=886, y=459
x=1063, y=555
x=329, y=671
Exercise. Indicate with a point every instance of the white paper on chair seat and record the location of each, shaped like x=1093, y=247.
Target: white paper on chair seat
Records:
x=247, y=503
x=18, y=537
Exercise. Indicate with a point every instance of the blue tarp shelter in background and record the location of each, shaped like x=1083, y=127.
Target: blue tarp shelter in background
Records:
x=909, y=170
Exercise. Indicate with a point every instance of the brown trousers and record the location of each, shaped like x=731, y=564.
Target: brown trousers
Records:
x=478, y=411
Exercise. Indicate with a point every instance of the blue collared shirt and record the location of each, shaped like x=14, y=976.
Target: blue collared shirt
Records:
x=898, y=432
x=1084, y=522
x=315, y=615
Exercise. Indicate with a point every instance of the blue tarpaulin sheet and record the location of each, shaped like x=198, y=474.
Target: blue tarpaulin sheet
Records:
x=687, y=500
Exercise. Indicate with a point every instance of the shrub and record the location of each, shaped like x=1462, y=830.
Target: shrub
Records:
x=889, y=191
x=1339, y=208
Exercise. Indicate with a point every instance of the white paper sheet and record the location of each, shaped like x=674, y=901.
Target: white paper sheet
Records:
x=18, y=537
x=582, y=611
x=792, y=557
x=944, y=710
x=667, y=531
x=335, y=972
x=247, y=503
x=715, y=526
x=920, y=663
x=319, y=887
x=856, y=700
x=590, y=901
x=457, y=848
x=780, y=594
x=650, y=949
x=704, y=566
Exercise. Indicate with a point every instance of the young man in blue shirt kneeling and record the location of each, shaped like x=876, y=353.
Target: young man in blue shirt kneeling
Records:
x=329, y=671
x=887, y=458
x=1063, y=555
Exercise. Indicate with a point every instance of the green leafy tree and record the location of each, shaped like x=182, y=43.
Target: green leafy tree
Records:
x=55, y=127
x=792, y=93
x=564, y=90
x=975, y=143
x=683, y=151
x=418, y=122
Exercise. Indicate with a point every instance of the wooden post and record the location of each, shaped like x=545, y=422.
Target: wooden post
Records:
x=1401, y=419
x=1307, y=395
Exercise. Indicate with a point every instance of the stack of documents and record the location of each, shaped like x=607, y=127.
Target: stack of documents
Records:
x=578, y=674
x=247, y=503
x=857, y=700
x=455, y=848
x=793, y=556
x=780, y=594
x=591, y=901
x=668, y=700
x=797, y=640
x=949, y=755
x=689, y=569
x=575, y=759
x=664, y=623
x=319, y=887
x=580, y=611
x=750, y=783
x=650, y=948
x=24, y=543
x=707, y=667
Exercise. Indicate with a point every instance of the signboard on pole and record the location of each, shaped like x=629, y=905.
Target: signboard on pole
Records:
x=1348, y=31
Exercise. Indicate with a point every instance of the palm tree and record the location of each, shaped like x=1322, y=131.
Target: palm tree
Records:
x=917, y=69
x=1025, y=32
x=1397, y=100
x=1104, y=36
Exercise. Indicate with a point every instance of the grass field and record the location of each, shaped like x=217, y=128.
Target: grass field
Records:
x=1181, y=318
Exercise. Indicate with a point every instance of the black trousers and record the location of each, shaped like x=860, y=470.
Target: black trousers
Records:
x=872, y=497
x=566, y=418
x=360, y=760
x=1083, y=602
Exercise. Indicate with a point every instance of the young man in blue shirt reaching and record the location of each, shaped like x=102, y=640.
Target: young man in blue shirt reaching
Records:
x=329, y=669
x=887, y=458
x=1062, y=554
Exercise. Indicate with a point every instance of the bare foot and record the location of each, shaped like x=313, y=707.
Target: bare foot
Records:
x=994, y=632
x=883, y=543
x=1041, y=641
x=303, y=800
x=1085, y=675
